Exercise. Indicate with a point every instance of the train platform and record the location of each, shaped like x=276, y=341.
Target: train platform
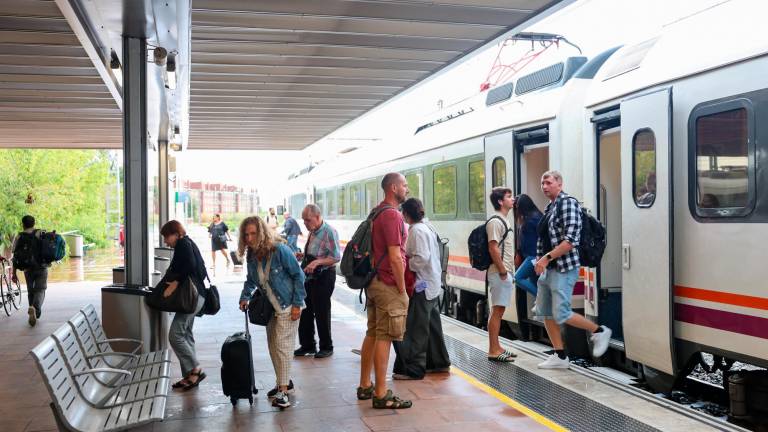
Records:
x=476, y=394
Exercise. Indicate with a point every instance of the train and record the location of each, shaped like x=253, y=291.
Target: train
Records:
x=664, y=140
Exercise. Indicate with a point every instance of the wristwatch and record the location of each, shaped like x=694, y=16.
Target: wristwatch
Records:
x=548, y=256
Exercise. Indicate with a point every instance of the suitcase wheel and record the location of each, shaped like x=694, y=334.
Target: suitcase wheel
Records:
x=255, y=390
x=233, y=400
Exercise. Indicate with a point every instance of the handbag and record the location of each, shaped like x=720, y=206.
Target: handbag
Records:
x=212, y=303
x=182, y=300
x=260, y=309
x=223, y=238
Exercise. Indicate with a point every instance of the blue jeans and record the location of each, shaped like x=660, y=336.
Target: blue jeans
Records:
x=525, y=276
x=292, y=242
x=553, y=300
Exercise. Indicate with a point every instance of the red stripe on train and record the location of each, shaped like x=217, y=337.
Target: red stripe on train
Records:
x=722, y=320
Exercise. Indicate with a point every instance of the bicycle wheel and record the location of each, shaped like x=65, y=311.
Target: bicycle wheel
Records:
x=5, y=288
x=15, y=294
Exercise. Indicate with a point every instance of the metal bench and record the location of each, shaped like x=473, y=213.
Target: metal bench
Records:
x=105, y=356
x=102, y=343
x=80, y=402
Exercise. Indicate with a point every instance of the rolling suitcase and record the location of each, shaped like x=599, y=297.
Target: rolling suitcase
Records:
x=237, y=378
x=235, y=259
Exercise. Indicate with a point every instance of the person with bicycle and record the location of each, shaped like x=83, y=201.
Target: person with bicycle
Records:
x=25, y=257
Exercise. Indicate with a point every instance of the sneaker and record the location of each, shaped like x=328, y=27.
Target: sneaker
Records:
x=301, y=352
x=32, y=316
x=600, y=341
x=403, y=377
x=554, y=362
x=281, y=400
x=273, y=393
x=323, y=353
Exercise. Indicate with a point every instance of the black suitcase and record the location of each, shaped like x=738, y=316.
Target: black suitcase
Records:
x=235, y=259
x=237, y=379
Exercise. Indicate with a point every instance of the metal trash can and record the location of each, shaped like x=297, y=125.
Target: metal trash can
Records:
x=164, y=251
x=156, y=277
x=74, y=244
x=118, y=275
x=125, y=314
x=161, y=264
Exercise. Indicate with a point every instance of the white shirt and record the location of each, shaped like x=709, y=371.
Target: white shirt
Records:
x=423, y=252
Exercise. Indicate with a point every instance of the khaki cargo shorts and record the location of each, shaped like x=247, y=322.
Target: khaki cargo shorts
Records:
x=387, y=308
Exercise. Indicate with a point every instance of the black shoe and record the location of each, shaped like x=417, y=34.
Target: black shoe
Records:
x=301, y=352
x=324, y=353
x=272, y=393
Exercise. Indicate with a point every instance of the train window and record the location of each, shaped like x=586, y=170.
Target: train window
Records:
x=330, y=197
x=342, y=201
x=499, y=172
x=370, y=196
x=444, y=190
x=320, y=201
x=354, y=200
x=723, y=169
x=477, y=187
x=644, y=168
x=414, y=184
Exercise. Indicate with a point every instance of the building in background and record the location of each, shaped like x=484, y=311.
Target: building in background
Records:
x=199, y=201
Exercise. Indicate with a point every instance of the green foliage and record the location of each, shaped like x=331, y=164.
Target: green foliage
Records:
x=66, y=187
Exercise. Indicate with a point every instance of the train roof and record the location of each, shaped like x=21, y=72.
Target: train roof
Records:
x=727, y=33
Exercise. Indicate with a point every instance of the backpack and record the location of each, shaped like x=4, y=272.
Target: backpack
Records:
x=26, y=254
x=477, y=244
x=442, y=246
x=592, y=239
x=355, y=263
x=52, y=247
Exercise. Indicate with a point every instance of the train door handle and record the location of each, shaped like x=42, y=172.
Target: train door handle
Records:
x=625, y=255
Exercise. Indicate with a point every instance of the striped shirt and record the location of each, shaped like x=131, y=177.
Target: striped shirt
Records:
x=564, y=225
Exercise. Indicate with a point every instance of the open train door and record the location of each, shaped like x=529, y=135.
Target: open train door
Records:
x=647, y=229
x=499, y=171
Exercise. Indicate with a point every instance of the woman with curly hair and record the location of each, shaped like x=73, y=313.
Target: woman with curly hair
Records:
x=275, y=272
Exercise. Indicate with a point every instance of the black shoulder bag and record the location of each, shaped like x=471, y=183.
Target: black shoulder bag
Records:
x=260, y=309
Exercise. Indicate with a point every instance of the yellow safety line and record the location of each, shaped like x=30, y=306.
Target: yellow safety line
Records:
x=509, y=401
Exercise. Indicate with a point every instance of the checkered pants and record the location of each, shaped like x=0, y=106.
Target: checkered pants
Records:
x=281, y=338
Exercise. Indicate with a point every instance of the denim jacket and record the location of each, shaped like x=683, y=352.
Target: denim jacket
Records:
x=285, y=278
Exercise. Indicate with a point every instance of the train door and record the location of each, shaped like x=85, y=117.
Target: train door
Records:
x=499, y=157
x=646, y=238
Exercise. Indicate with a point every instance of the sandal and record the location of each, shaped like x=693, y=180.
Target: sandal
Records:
x=180, y=383
x=504, y=357
x=365, y=393
x=200, y=376
x=390, y=401
x=510, y=353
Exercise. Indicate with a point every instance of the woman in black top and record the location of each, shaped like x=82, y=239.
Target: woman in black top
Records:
x=218, y=231
x=527, y=217
x=186, y=263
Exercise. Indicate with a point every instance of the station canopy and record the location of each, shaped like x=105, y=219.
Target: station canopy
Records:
x=259, y=74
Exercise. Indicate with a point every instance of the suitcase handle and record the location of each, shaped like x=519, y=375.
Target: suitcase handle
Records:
x=247, y=330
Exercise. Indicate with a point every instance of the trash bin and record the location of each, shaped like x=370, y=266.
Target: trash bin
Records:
x=118, y=275
x=162, y=263
x=156, y=277
x=74, y=244
x=165, y=252
x=125, y=314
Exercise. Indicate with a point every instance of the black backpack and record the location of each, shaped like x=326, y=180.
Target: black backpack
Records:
x=26, y=254
x=592, y=239
x=442, y=246
x=477, y=244
x=52, y=247
x=355, y=263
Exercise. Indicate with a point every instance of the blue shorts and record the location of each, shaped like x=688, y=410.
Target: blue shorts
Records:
x=553, y=299
x=500, y=290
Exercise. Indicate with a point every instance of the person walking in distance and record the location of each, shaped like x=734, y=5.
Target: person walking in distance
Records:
x=501, y=248
x=271, y=219
x=26, y=249
x=292, y=231
x=387, y=302
x=321, y=253
x=558, y=266
x=218, y=231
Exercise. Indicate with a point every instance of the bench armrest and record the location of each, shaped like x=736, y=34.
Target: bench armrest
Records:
x=116, y=353
x=138, y=343
x=102, y=370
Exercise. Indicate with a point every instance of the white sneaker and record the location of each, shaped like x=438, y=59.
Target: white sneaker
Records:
x=281, y=400
x=554, y=362
x=600, y=341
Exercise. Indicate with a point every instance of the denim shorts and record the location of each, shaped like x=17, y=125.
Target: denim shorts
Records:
x=553, y=299
x=500, y=290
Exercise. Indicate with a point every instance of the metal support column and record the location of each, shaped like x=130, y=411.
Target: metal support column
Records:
x=162, y=182
x=135, y=160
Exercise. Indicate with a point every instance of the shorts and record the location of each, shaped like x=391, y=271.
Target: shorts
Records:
x=553, y=299
x=500, y=290
x=387, y=308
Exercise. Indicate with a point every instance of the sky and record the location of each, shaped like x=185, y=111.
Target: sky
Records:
x=593, y=25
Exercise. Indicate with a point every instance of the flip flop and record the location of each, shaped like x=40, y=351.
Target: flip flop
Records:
x=502, y=358
x=200, y=376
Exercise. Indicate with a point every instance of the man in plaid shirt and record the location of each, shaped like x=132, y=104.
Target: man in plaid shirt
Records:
x=558, y=266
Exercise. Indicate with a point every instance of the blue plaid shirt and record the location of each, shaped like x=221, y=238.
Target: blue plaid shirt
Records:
x=564, y=224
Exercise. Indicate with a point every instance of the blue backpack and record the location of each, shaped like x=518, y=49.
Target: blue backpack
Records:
x=52, y=247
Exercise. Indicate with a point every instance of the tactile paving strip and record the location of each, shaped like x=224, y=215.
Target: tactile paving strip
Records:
x=557, y=403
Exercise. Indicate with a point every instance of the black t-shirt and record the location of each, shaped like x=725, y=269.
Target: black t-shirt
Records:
x=187, y=262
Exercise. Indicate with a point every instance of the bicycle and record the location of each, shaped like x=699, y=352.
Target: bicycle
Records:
x=10, y=291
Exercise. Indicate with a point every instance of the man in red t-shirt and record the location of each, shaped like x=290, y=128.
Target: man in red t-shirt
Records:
x=387, y=303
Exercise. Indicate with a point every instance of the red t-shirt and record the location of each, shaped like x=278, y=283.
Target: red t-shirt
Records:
x=388, y=230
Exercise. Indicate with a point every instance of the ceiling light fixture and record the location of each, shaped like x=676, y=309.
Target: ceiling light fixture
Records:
x=170, y=72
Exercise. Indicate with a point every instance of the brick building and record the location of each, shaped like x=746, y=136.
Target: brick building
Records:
x=206, y=199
